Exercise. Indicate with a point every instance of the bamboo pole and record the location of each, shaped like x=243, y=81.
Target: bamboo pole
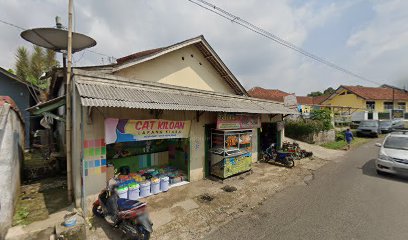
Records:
x=68, y=105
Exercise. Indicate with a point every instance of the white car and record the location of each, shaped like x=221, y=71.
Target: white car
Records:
x=393, y=155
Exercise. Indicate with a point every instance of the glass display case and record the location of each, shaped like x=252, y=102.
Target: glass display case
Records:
x=230, y=152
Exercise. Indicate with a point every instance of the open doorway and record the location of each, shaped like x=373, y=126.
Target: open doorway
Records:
x=269, y=134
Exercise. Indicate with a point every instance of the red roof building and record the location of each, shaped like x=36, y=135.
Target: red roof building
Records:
x=278, y=95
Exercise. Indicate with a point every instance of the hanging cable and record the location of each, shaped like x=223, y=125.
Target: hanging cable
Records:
x=235, y=19
x=110, y=58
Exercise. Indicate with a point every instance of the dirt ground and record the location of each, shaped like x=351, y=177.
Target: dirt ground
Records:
x=193, y=210
x=39, y=199
x=252, y=190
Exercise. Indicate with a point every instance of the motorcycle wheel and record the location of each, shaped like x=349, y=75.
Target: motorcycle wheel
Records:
x=289, y=163
x=144, y=235
x=97, y=211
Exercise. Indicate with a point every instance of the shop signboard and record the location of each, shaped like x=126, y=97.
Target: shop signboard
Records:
x=127, y=130
x=290, y=101
x=237, y=121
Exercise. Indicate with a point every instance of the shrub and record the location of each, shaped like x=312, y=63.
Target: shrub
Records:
x=303, y=127
x=340, y=136
x=324, y=116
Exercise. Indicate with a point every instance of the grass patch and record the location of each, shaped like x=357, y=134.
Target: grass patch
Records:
x=342, y=144
x=20, y=217
x=39, y=199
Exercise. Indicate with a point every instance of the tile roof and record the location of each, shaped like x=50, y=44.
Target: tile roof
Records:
x=270, y=94
x=377, y=93
x=320, y=99
x=278, y=95
x=304, y=100
x=113, y=91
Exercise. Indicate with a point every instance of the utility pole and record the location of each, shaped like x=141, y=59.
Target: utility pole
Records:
x=68, y=105
x=393, y=103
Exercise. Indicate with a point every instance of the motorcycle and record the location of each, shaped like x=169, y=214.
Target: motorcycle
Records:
x=271, y=155
x=130, y=216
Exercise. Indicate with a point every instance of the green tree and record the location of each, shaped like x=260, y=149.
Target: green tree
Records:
x=324, y=116
x=329, y=91
x=31, y=66
x=315, y=94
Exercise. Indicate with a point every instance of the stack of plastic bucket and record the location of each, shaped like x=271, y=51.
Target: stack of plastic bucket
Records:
x=145, y=189
x=155, y=187
x=164, y=184
x=123, y=191
x=133, y=193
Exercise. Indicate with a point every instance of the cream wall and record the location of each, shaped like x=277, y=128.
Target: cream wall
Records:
x=171, y=69
x=348, y=100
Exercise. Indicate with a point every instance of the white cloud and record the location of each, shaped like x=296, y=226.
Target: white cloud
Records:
x=382, y=45
x=124, y=27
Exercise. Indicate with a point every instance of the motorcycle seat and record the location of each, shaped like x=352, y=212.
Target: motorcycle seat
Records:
x=126, y=204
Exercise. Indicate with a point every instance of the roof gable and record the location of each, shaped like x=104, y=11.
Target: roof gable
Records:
x=201, y=44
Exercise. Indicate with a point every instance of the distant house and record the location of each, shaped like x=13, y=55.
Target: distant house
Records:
x=305, y=103
x=374, y=101
x=23, y=95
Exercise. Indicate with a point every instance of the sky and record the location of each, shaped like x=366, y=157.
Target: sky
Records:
x=369, y=38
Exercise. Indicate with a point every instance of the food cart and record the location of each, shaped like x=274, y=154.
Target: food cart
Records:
x=230, y=152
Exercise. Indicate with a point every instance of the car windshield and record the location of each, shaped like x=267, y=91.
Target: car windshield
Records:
x=385, y=124
x=368, y=124
x=395, y=142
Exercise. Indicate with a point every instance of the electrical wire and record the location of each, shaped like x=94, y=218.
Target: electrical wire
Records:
x=12, y=25
x=110, y=58
x=235, y=19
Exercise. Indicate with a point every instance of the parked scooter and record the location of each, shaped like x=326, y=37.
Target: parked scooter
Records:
x=271, y=155
x=128, y=215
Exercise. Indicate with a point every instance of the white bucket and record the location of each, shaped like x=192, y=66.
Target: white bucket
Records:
x=145, y=189
x=133, y=193
x=155, y=187
x=123, y=193
x=164, y=184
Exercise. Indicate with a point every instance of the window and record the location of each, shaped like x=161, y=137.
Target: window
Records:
x=401, y=105
x=370, y=105
x=388, y=106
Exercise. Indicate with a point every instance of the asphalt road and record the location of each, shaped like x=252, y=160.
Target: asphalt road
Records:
x=345, y=200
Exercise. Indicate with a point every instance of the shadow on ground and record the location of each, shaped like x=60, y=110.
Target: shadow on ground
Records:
x=369, y=169
x=109, y=232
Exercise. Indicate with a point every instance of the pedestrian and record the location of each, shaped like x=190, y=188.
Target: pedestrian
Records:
x=349, y=136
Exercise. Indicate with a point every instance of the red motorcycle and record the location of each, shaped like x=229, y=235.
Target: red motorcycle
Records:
x=128, y=215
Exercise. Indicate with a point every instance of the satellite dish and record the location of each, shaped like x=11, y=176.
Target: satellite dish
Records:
x=57, y=39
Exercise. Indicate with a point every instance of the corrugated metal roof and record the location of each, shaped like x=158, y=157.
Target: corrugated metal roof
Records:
x=115, y=93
